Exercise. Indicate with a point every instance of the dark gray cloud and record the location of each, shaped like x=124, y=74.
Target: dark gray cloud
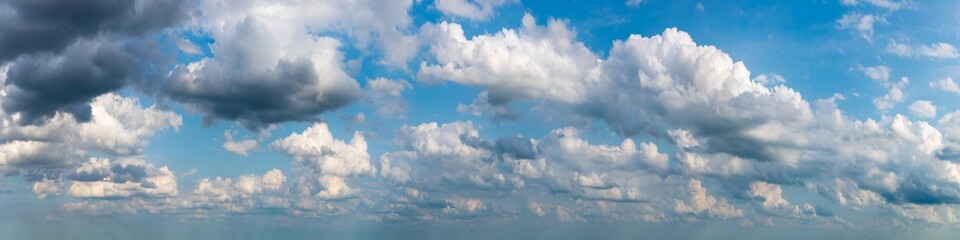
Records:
x=52, y=25
x=47, y=83
x=64, y=53
x=294, y=91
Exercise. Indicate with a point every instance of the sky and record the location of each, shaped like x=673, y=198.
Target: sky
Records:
x=479, y=119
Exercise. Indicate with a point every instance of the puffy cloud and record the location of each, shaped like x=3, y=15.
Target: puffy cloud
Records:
x=448, y=141
x=99, y=178
x=440, y=162
x=675, y=82
x=845, y=193
x=653, y=158
x=770, y=198
x=949, y=125
x=327, y=162
x=895, y=95
x=316, y=149
x=671, y=79
x=668, y=81
x=269, y=66
x=682, y=138
x=48, y=188
x=273, y=179
x=947, y=85
x=15, y=155
x=118, y=126
x=468, y=206
x=768, y=195
x=698, y=201
x=242, y=147
x=470, y=9
x=881, y=75
x=727, y=127
x=923, y=109
x=878, y=73
x=334, y=187
x=530, y=63
x=247, y=192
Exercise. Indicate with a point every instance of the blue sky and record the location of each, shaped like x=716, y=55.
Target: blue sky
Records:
x=160, y=119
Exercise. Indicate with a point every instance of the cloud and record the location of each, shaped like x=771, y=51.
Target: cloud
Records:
x=749, y=135
x=42, y=85
x=845, y=193
x=334, y=187
x=938, y=50
x=242, y=147
x=878, y=73
x=942, y=214
x=118, y=126
x=699, y=202
x=48, y=188
x=249, y=191
x=770, y=198
x=895, y=95
x=529, y=69
x=51, y=26
x=386, y=96
x=949, y=125
x=677, y=80
x=268, y=69
x=862, y=23
x=452, y=157
x=946, y=85
x=470, y=9
x=923, y=109
x=316, y=149
x=744, y=129
x=326, y=160
x=481, y=105
x=682, y=138
x=99, y=178
x=61, y=55
x=467, y=206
